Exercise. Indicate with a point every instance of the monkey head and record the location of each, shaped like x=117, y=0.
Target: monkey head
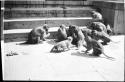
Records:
x=46, y=28
x=93, y=14
x=96, y=15
x=93, y=25
x=96, y=26
x=70, y=30
x=62, y=26
x=70, y=39
x=94, y=32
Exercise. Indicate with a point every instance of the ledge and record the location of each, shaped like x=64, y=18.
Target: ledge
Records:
x=117, y=5
x=51, y=18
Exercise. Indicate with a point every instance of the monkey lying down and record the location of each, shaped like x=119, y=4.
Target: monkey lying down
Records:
x=95, y=45
x=62, y=46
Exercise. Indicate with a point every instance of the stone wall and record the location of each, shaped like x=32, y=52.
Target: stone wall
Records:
x=113, y=12
x=1, y=19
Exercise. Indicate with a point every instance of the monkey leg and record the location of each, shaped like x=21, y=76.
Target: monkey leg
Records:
x=38, y=39
x=89, y=47
x=96, y=52
x=55, y=49
x=79, y=44
x=105, y=41
x=42, y=37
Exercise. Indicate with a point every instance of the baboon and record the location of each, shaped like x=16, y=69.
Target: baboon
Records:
x=62, y=46
x=95, y=45
x=62, y=33
x=38, y=34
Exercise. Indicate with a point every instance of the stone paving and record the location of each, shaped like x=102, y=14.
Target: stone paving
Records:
x=35, y=62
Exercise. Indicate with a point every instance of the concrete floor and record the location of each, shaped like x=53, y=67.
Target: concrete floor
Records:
x=34, y=62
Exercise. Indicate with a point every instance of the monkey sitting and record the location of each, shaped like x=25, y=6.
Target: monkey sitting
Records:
x=95, y=45
x=77, y=35
x=101, y=35
x=62, y=46
x=62, y=33
x=80, y=36
x=72, y=34
x=38, y=34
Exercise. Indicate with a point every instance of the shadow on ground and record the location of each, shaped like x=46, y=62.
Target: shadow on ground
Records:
x=82, y=54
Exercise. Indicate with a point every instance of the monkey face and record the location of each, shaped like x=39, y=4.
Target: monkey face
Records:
x=93, y=25
x=46, y=28
x=70, y=39
x=94, y=32
x=70, y=30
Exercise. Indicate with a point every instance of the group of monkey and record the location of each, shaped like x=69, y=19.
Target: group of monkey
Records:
x=67, y=38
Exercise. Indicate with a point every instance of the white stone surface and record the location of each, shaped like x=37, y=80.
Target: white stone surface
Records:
x=35, y=62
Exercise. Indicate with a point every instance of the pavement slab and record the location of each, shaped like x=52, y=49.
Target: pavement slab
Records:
x=35, y=62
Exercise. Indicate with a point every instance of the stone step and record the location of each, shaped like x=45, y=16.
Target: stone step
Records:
x=45, y=3
x=48, y=12
x=16, y=35
x=29, y=23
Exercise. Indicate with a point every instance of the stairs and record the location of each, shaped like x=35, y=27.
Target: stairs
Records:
x=23, y=15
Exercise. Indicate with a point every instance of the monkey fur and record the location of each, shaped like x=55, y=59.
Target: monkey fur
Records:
x=38, y=34
x=98, y=26
x=62, y=33
x=95, y=45
x=77, y=35
x=62, y=46
x=96, y=15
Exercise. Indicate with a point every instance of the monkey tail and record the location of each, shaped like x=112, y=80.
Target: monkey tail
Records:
x=114, y=41
x=108, y=57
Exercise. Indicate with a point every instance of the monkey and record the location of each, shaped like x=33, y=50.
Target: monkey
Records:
x=62, y=46
x=62, y=33
x=38, y=34
x=101, y=36
x=80, y=36
x=108, y=27
x=96, y=15
x=99, y=26
x=95, y=45
x=88, y=31
x=72, y=34
x=77, y=35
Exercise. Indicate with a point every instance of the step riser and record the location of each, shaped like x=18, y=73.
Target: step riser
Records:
x=57, y=3
x=52, y=23
x=47, y=13
x=23, y=37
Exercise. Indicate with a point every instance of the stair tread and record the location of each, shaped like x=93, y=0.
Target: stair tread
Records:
x=49, y=18
x=12, y=31
x=52, y=8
